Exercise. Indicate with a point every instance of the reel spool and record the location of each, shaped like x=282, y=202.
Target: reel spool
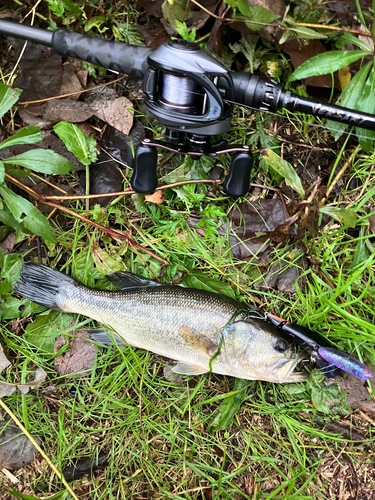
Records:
x=191, y=103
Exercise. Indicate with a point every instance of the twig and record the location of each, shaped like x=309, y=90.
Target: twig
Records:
x=128, y=191
x=111, y=232
x=334, y=28
x=58, y=474
x=25, y=103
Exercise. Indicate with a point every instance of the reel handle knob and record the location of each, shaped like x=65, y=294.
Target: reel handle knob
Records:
x=237, y=182
x=144, y=179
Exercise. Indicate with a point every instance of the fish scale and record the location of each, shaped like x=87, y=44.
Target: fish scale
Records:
x=199, y=329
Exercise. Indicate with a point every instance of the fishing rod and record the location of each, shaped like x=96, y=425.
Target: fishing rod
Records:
x=191, y=94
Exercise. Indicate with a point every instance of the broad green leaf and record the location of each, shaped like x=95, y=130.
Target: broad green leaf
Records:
x=2, y=172
x=230, y=406
x=12, y=201
x=38, y=224
x=329, y=62
x=256, y=13
x=347, y=37
x=46, y=328
x=11, y=307
x=84, y=269
x=33, y=220
x=104, y=262
x=7, y=218
x=330, y=400
x=8, y=97
x=11, y=267
x=198, y=279
x=76, y=142
x=27, y=135
x=346, y=216
x=302, y=31
x=41, y=160
x=349, y=98
x=285, y=169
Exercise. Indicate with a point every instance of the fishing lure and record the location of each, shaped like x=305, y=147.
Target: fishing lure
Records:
x=320, y=349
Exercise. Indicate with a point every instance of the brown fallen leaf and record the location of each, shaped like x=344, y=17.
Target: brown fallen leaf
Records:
x=6, y=388
x=4, y=361
x=78, y=360
x=356, y=392
x=66, y=110
x=117, y=114
x=8, y=244
x=371, y=223
x=15, y=448
x=156, y=197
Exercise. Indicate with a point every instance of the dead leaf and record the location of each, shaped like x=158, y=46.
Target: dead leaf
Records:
x=84, y=466
x=7, y=246
x=116, y=113
x=78, y=360
x=111, y=108
x=255, y=225
x=6, y=388
x=121, y=146
x=371, y=222
x=286, y=271
x=4, y=361
x=15, y=448
x=105, y=177
x=171, y=376
x=66, y=110
x=41, y=73
x=356, y=392
x=156, y=197
x=70, y=82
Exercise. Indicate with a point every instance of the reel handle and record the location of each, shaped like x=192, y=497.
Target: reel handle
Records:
x=144, y=179
x=237, y=182
x=118, y=56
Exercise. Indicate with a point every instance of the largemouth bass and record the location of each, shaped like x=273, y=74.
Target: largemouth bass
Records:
x=203, y=331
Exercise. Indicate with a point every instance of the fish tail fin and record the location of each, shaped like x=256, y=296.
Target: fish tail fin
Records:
x=42, y=285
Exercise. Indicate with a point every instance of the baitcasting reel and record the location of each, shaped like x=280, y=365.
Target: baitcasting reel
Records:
x=191, y=94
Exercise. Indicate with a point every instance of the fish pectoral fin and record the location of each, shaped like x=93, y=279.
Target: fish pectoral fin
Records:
x=188, y=369
x=124, y=280
x=106, y=337
x=198, y=341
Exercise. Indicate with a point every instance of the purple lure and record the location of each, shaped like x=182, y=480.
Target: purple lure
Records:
x=345, y=362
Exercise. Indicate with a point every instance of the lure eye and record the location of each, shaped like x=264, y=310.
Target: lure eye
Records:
x=281, y=346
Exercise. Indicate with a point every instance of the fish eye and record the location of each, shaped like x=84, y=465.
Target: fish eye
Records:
x=281, y=345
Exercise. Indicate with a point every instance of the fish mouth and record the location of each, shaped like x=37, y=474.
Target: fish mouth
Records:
x=284, y=367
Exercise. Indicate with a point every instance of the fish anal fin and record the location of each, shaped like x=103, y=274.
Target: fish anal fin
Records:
x=197, y=341
x=124, y=280
x=188, y=369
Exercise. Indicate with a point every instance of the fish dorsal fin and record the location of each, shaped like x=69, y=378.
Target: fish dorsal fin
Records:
x=197, y=341
x=188, y=369
x=124, y=280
